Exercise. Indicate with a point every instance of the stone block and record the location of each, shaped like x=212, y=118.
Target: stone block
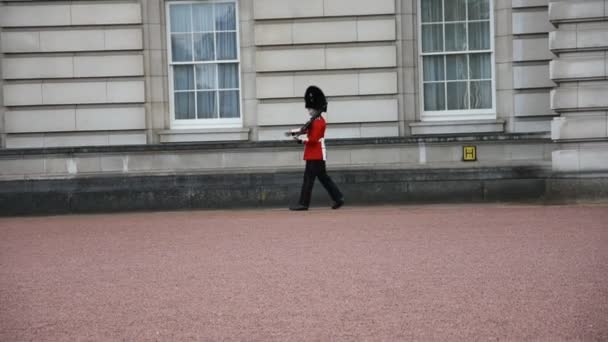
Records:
x=504, y=49
x=531, y=49
x=358, y=7
x=564, y=97
x=532, y=76
x=456, y=127
x=157, y=89
x=344, y=131
x=112, y=163
x=261, y=159
x=273, y=33
x=533, y=104
x=157, y=63
x=154, y=37
x=314, y=32
x=25, y=94
x=126, y=92
x=518, y=152
x=268, y=87
x=21, y=167
x=106, y=66
x=110, y=118
x=565, y=161
x=593, y=95
x=24, y=141
x=36, y=14
x=40, y=120
x=529, y=3
x=282, y=113
x=127, y=138
x=275, y=9
x=363, y=110
x=532, y=125
x=376, y=29
x=592, y=38
x=579, y=67
x=217, y=134
x=290, y=59
x=593, y=160
x=375, y=156
x=72, y=40
x=360, y=57
x=580, y=126
x=15, y=42
x=37, y=67
x=373, y=130
x=534, y=21
x=576, y=10
x=74, y=92
x=75, y=139
x=106, y=13
x=504, y=23
x=332, y=84
x=562, y=40
x=373, y=83
x=125, y=39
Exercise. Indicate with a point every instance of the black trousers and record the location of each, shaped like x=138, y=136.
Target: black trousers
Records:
x=314, y=169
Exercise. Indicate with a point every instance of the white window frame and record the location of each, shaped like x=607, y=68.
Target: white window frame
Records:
x=202, y=123
x=457, y=114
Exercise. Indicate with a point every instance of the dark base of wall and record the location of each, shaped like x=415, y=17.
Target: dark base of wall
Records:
x=178, y=192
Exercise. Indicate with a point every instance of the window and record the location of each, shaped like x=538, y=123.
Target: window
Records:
x=456, y=54
x=204, y=71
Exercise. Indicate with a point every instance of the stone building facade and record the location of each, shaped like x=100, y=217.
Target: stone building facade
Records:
x=132, y=88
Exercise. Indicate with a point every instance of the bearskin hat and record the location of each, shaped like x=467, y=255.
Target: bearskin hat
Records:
x=315, y=99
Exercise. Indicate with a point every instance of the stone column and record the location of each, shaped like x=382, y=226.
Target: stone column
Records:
x=580, y=43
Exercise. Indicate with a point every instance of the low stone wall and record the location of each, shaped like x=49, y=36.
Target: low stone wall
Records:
x=213, y=191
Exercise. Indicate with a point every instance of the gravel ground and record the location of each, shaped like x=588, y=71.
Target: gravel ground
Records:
x=402, y=273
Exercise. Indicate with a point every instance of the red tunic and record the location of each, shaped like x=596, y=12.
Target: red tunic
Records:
x=315, y=142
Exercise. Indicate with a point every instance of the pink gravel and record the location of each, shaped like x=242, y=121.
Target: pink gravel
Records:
x=424, y=273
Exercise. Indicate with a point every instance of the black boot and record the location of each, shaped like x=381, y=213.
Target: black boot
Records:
x=298, y=207
x=338, y=204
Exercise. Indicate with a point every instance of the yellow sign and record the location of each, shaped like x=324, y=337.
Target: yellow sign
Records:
x=469, y=153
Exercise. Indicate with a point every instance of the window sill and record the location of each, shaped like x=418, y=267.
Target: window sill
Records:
x=457, y=127
x=201, y=135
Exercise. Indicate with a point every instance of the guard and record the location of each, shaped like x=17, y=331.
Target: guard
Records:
x=314, y=150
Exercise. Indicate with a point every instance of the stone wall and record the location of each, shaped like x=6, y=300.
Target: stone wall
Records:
x=580, y=43
x=72, y=73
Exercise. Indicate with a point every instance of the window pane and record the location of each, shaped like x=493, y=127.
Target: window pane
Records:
x=205, y=76
x=479, y=36
x=455, y=10
x=225, y=17
x=431, y=11
x=481, y=66
x=203, y=47
x=228, y=75
x=457, y=95
x=226, y=45
x=180, y=18
x=183, y=79
x=455, y=37
x=181, y=47
x=229, y=104
x=456, y=67
x=184, y=105
x=432, y=38
x=434, y=96
x=433, y=68
x=481, y=94
x=206, y=105
x=479, y=9
x=202, y=17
